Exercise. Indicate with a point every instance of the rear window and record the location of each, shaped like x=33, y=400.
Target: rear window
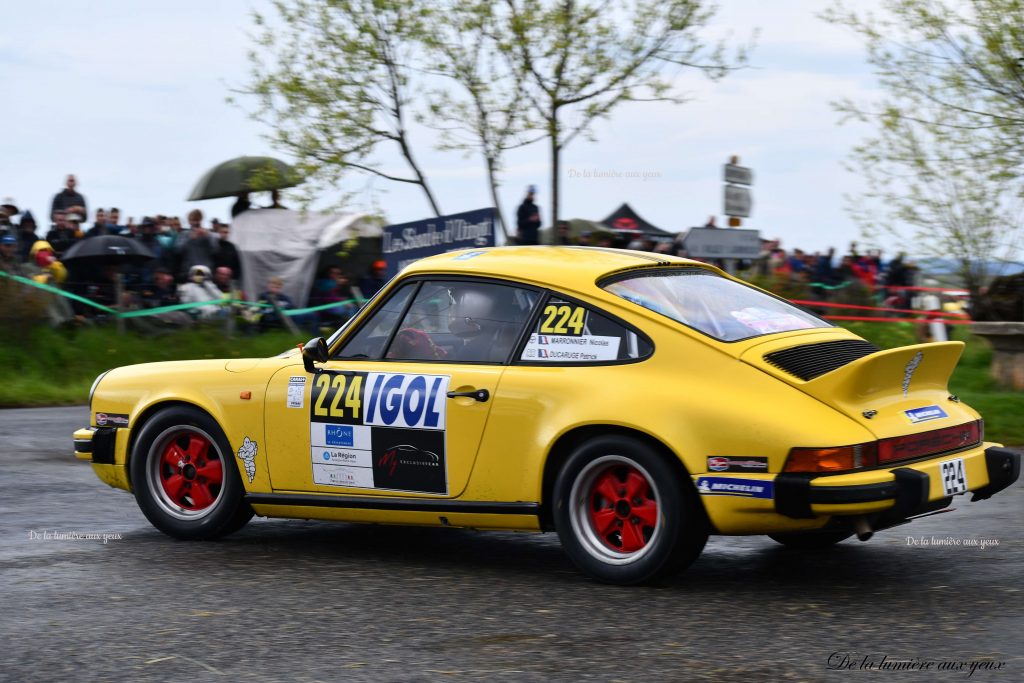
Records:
x=718, y=307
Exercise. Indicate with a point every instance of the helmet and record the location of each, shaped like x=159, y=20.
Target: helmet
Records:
x=471, y=312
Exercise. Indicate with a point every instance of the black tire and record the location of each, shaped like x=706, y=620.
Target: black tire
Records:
x=612, y=540
x=185, y=499
x=811, y=540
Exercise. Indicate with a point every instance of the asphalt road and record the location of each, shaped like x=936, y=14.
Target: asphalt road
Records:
x=309, y=601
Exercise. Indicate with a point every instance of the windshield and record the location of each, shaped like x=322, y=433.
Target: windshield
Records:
x=718, y=307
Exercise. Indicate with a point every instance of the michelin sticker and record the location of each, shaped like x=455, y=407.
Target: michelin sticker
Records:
x=579, y=349
x=730, y=486
x=379, y=430
x=247, y=452
x=297, y=392
x=924, y=414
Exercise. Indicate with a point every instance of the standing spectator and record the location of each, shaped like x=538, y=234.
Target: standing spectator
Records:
x=563, y=233
x=797, y=263
x=195, y=245
x=65, y=232
x=9, y=261
x=824, y=274
x=69, y=200
x=241, y=204
x=114, y=226
x=334, y=287
x=528, y=219
x=275, y=199
x=897, y=279
x=8, y=210
x=99, y=228
x=274, y=295
x=147, y=237
x=227, y=253
x=372, y=283
x=26, y=235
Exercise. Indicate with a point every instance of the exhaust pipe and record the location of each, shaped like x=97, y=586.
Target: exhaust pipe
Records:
x=863, y=529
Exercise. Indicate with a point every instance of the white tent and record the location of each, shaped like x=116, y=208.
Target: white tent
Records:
x=287, y=244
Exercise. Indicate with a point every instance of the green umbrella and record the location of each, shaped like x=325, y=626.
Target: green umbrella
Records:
x=244, y=174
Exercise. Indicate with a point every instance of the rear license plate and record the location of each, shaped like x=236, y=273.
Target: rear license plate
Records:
x=954, y=478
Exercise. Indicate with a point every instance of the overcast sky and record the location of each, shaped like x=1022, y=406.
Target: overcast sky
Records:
x=130, y=97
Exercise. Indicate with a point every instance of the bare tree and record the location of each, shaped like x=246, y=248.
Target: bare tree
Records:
x=584, y=58
x=334, y=81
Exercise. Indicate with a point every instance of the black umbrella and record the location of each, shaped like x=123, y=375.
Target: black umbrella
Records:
x=244, y=174
x=108, y=250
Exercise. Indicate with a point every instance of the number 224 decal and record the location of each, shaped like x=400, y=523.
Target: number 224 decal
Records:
x=559, y=318
x=338, y=396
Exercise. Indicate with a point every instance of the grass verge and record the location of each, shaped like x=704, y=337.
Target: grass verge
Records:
x=48, y=367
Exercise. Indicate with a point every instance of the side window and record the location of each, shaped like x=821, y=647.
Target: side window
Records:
x=568, y=332
x=463, y=321
x=369, y=341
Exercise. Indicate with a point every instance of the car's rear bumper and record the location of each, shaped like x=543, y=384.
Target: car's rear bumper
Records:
x=905, y=491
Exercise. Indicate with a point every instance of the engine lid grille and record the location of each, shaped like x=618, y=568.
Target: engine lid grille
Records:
x=814, y=360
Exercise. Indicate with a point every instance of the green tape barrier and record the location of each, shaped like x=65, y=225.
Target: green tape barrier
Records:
x=145, y=312
x=822, y=285
x=321, y=307
x=56, y=290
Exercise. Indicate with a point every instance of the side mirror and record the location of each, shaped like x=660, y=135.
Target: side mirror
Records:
x=314, y=351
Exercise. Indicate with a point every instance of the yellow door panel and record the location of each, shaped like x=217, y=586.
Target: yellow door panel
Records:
x=383, y=428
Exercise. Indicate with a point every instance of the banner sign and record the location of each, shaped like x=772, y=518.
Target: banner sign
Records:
x=407, y=242
x=722, y=243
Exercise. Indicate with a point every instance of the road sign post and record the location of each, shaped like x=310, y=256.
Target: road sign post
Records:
x=738, y=201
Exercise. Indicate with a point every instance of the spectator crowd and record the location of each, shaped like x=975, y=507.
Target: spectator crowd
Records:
x=197, y=264
x=193, y=263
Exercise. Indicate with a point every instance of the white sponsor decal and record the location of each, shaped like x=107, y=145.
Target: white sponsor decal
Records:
x=400, y=400
x=559, y=349
x=296, y=392
x=341, y=475
x=352, y=457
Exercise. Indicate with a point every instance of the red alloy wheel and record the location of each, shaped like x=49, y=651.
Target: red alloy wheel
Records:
x=623, y=509
x=191, y=473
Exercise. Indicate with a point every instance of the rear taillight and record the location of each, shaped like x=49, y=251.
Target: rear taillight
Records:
x=936, y=441
x=884, y=451
x=838, y=459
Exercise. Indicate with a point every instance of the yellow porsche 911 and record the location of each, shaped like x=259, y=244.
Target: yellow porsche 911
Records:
x=633, y=403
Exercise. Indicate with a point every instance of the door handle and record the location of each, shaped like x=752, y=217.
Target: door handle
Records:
x=476, y=394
